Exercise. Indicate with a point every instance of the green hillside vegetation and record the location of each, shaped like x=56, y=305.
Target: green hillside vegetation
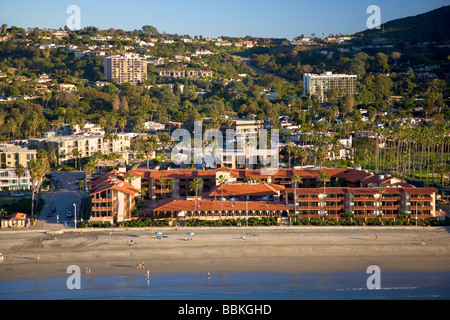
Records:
x=429, y=26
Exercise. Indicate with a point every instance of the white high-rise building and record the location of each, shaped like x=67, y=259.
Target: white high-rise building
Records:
x=320, y=84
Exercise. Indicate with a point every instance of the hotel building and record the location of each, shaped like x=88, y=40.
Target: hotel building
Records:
x=275, y=195
x=127, y=68
x=112, y=197
x=319, y=85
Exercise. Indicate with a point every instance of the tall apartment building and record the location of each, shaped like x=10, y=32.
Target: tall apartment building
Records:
x=320, y=84
x=127, y=68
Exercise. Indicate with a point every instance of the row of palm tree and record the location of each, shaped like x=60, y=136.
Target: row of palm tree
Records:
x=406, y=150
x=416, y=153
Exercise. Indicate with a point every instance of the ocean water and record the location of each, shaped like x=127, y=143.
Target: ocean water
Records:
x=229, y=286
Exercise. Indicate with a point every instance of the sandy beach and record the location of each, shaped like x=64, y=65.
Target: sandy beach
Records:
x=265, y=249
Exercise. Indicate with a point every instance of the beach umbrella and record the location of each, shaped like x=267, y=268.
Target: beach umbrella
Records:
x=158, y=233
x=190, y=233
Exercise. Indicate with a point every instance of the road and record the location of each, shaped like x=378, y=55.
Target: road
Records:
x=61, y=202
x=255, y=69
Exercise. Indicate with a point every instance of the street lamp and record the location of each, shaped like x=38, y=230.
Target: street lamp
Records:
x=416, y=213
x=75, y=214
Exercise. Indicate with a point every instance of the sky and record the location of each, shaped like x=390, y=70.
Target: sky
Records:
x=212, y=18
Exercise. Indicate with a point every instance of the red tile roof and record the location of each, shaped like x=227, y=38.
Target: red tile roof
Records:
x=352, y=175
x=246, y=189
x=112, y=180
x=211, y=205
x=17, y=216
x=376, y=178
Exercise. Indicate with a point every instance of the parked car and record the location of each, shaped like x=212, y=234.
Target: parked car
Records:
x=19, y=194
x=69, y=214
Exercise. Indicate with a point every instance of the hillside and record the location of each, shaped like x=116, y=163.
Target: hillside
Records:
x=429, y=26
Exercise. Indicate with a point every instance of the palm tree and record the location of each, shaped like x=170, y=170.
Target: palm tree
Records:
x=89, y=167
x=296, y=179
x=122, y=122
x=169, y=184
x=443, y=169
x=52, y=156
x=324, y=177
x=195, y=185
x=76, y=154
x=289, y=149
x=128, y=177
x=20, y=172
x=148, y=147
x=381, y=191
x=303, y=155
x=222, y=180
x=38, y=168
x=162, y=183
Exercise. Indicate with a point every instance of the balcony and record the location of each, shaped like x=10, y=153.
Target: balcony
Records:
x=101, y=200
x=420, y=198
x=102, y=208
x=338, y=207
x=364, y=208
x=364, y=198
x=313, y=208
x=307, y=199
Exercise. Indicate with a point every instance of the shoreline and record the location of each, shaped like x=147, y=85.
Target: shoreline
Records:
x=297, y=249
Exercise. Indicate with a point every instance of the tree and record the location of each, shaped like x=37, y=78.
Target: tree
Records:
x=122, y=122
x=151, y=30
x=116, y=103
x=89, y=167
x=443, y=169
x=148, y=147
x=289, y=149
x=296, y=179
x=20, y=172
x=128, y=177
x=395, y=55
x=195, y=185
x=381, y=60
x=381, y=191
x=76, y=153
x=324, y=177
x=222, y=180
x=38, y=168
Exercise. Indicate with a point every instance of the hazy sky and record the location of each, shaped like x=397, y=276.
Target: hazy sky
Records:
x=259, y=18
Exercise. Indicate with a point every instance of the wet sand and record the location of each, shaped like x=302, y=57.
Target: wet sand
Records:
x=265, y=249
